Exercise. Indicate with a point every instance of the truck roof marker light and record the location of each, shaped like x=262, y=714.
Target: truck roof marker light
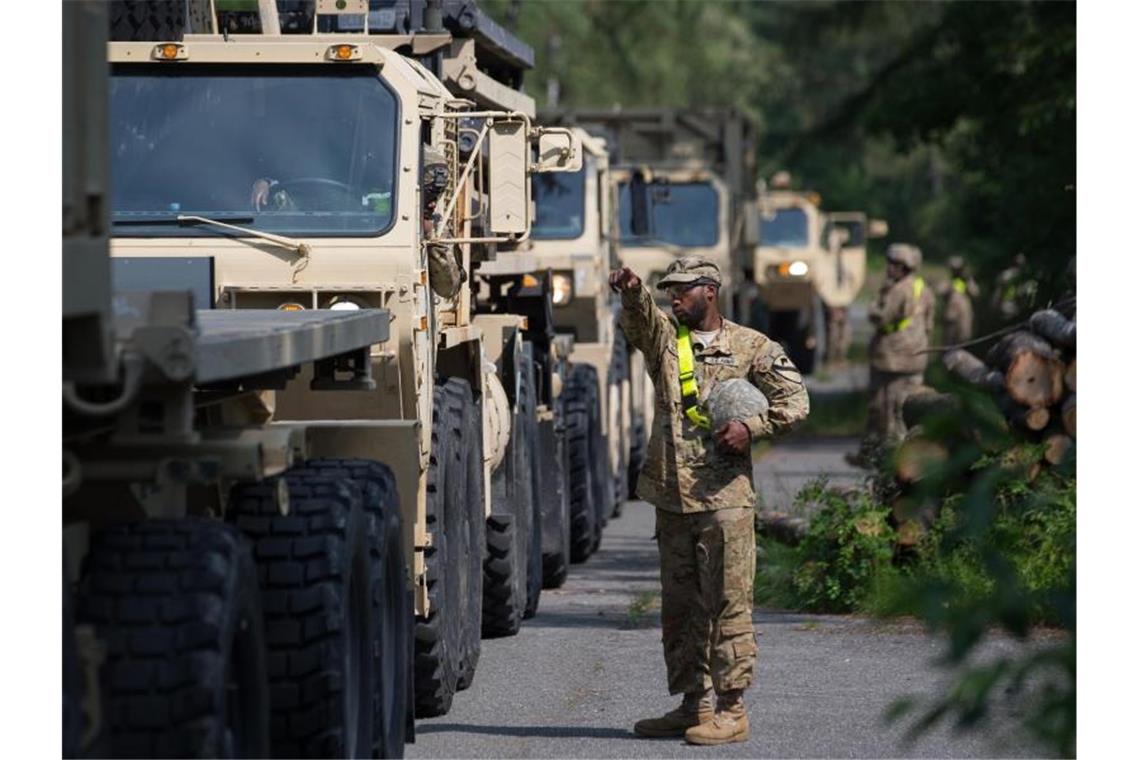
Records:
x=529, y=281
x=343, y=53
x=169, y=51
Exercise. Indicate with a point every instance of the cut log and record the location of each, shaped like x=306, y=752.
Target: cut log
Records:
x=915, y=458
x=926, y=402
x=971, y=369
x=782, y=527
x=1055, y=327
x=1034, y=418
x=1056, y=447
x=1071, y=375
x=1069, y=415
x=912, y=519
x=1033, y=373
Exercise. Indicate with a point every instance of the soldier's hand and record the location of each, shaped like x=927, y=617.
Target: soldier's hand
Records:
x=624, y=279
x=733, y=437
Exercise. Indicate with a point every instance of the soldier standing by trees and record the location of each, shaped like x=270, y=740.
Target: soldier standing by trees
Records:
x=903, y=317
x=700, y=481
x=958, y=304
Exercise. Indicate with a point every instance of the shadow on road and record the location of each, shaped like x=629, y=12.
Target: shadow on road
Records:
x=553, y=732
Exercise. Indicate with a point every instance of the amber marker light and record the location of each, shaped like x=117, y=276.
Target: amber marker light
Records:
x=344, y=53
x=290, y=306
x=529, y=281
x=169, y=51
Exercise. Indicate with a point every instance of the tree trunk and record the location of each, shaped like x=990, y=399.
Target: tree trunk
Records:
x=926, y=402
x=971, y=369
x=915, y=458
x=1055, y=328
x=1033, y=374
x=1056, y=447
x=1069, y=415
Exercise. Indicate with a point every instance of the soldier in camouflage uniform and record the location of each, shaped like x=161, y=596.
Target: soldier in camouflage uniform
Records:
x=958, y=304
x=700, y=481
x=903, y=316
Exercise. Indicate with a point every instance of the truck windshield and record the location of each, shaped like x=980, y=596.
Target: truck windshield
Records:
x=788, y=228
x=560, y=203
x=299, y=151
x=684, y=214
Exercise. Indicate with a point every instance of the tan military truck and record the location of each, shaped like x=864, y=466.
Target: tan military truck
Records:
x=809, y=266
x=575, y=236
x=228, y=589
x=334, y=171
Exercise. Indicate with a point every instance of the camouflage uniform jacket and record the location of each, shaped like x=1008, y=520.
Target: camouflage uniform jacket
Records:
x=685, y=471
x=894, y=349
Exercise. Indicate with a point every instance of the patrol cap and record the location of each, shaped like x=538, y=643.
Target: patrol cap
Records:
x=907, y=255
x=956, y=263
x=688, y=270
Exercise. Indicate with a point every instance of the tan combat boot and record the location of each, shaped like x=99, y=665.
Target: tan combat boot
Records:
x=695, y=709
x=730, y=724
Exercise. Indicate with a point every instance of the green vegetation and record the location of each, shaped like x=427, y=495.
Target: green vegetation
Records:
x=1000, y=555
x=640, y=607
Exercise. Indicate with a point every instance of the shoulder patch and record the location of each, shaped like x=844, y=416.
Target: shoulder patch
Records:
x=783, y=367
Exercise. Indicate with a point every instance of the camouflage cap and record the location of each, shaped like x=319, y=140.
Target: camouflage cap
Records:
x=907, y=255
x=687, y=270
x=956, y=264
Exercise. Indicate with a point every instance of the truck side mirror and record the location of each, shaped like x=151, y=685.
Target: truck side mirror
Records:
x=877, y=228
x=640, y=220
x=508, y=197
x=559, y=150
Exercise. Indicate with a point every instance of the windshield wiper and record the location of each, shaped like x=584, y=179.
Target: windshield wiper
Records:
x=301, y=249
x=172, y=220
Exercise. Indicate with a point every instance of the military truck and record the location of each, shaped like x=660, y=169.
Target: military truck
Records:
x=335, y=172
x=699, y=168
x=575, y=236
x=809, y=266
x=228, y=588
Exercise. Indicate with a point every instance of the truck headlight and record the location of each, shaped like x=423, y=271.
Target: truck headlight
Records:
x=563, y=284
x=798, y=268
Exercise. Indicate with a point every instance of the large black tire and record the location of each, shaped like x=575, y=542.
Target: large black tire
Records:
x=315, y=574
x=391, y=604
x=802, y=335
x=177, y=603
x=507, y=571
x=554, y=497
x=157, y=20
x=580, y=407
x=638, y=447
x=438, y=639
x=470, y=555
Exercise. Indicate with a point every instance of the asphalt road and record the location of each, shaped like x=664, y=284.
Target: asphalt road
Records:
x=573, y=682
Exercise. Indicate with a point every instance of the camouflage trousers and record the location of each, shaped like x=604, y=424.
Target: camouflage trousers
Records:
x=708, y=563
x=884, y=412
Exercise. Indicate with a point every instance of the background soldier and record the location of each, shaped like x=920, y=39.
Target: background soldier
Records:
x=700, y=481
x=903, y=316
x=958, y=304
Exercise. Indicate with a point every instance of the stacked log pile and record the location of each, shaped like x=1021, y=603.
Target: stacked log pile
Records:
x=1032, y=375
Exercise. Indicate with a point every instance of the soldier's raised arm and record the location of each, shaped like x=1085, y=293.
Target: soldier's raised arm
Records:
x=646, y=326
x=774, y=374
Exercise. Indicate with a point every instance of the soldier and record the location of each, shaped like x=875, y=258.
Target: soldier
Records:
x=958, y=304
x=903, y=317
x=700, y=481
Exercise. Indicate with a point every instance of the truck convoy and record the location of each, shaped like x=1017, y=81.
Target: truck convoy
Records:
x=302, y=451
x=809, y=266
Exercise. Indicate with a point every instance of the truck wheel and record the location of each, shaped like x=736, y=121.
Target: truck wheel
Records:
x=438, y=636
x=148, y=20
x=637, y=448
x=392, y=611
x=314, y=567
x=554, y=467
x=507, y=569
x=177, y=604
x=534, y=573
x=471, y=524
x=584, y=509
x=599, y=456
